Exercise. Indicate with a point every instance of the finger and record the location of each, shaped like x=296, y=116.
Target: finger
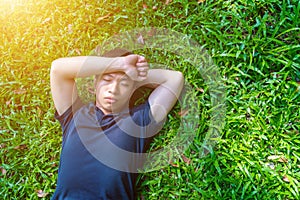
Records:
x=143, y=73
x=142, y=69
x=142, y=59
x=142, y=64
x=140, y=79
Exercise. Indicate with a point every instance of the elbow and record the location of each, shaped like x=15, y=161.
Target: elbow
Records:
x=177, y=75
x=180, y=76
x=180, y=79
x=179, y=83
x=55, y=67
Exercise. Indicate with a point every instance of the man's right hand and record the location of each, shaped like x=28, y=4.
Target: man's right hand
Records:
x=136, y=67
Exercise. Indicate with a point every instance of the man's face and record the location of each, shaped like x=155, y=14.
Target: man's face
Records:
x=113, y=92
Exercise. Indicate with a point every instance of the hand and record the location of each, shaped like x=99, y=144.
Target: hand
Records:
x=136, y=67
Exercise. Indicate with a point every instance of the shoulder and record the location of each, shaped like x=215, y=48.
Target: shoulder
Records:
x=142, y=114
x=69, y=113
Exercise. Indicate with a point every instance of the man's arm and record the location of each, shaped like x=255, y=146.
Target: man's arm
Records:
x=168, y=85
x=64, y=71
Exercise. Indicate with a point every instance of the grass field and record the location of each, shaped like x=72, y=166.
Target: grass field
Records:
x=254, y=43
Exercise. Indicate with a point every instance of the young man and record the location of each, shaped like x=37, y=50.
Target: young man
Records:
x=101, y=139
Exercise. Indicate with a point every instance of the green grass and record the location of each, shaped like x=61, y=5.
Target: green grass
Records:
x=255, y=44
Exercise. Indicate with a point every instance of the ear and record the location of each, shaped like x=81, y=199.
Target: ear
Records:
x=96, y=80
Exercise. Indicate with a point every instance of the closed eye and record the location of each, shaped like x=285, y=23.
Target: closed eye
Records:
x=107, y=79
x=124, y=83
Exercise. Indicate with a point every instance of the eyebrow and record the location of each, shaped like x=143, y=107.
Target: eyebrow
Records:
x=125, y=77
x=108, y=75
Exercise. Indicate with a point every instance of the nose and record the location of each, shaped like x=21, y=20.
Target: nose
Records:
x=114, y=88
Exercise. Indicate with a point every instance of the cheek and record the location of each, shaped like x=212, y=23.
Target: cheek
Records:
x=100, y=86
x=99, y=90
x=127, y=90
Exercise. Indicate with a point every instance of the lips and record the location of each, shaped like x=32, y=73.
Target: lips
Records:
x=110, y=99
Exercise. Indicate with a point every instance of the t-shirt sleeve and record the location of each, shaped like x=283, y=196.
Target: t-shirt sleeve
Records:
x=66, y=117
x=143, y=117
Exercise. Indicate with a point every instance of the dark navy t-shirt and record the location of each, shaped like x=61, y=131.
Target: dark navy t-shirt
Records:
x=101, y=154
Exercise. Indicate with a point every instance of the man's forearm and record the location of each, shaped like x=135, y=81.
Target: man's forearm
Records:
x=157, y=77
x=84, y=66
